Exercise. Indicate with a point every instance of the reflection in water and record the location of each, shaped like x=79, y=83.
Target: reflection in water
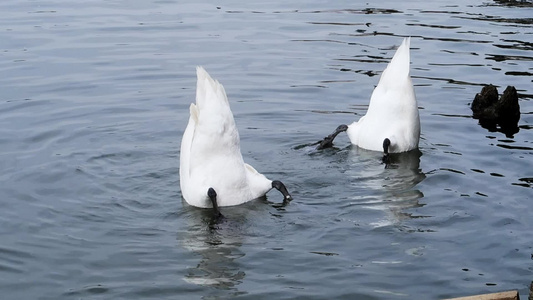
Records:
x=389, y=187
x=218, y=244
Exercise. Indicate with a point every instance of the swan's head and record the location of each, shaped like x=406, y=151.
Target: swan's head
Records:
x=278, y=185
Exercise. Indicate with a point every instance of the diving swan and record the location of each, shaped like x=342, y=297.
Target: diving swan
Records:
x=212, y=170
x=391, y=123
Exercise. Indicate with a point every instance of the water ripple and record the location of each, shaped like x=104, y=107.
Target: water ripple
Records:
x=95, y=99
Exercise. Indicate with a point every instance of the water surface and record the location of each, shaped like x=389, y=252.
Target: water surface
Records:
x=95, y=99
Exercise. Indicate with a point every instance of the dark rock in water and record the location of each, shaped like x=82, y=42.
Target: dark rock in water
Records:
x=487, y=98
x=492, y=112
x=509, y=109
x=517, y=3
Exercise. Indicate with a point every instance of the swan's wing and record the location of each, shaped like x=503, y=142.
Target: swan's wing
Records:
x=251, y=169
x=258, y=183
x=185, y=150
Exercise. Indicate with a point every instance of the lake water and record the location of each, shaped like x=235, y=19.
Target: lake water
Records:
x=94, y=101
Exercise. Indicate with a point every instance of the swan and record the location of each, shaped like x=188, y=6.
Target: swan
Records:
x=391, y=123
x=212, y=170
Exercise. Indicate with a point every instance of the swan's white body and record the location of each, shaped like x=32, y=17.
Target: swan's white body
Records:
x=393, y=110
x=210, y=154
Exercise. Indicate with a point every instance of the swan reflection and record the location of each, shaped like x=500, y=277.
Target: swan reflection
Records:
x=218, y=244
x=387, y=187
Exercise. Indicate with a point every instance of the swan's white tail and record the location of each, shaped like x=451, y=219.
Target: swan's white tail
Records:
x=398, y=68
x=208, y=90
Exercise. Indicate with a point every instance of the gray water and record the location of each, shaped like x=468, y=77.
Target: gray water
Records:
x=94, y=101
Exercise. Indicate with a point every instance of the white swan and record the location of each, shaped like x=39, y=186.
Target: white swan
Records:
x=392, y=123
x=212, y=171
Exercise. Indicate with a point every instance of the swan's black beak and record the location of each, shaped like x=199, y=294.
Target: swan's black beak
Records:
x=278, y=185
x=328, y=141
